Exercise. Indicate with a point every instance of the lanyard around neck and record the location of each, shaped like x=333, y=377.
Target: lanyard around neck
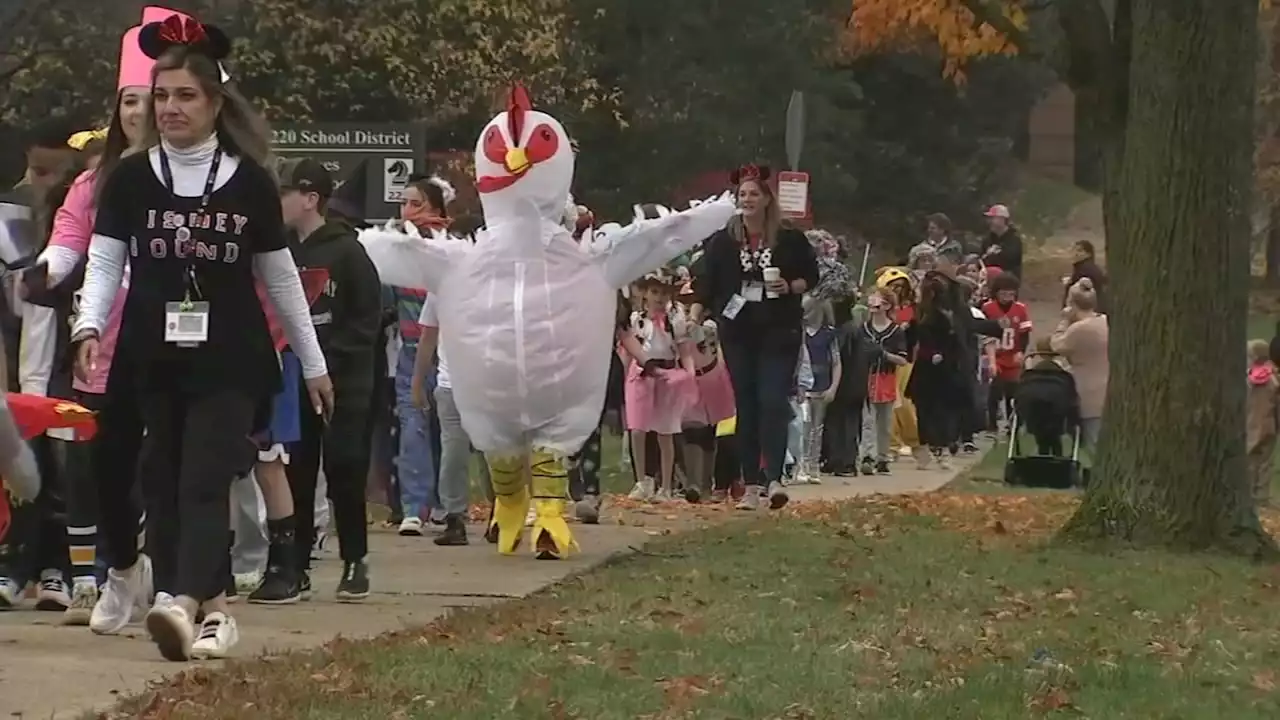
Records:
x=184, y=234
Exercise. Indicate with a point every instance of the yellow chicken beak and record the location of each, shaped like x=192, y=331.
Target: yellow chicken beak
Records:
x=517, y=161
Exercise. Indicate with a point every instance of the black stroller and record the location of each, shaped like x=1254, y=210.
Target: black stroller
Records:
x=1047, y=410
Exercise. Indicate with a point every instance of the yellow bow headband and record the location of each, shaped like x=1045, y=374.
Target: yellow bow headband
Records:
x=80, y=139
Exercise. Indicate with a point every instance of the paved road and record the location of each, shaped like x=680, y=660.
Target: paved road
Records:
x=52, y=671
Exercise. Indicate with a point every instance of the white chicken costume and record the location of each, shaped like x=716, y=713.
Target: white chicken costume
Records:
x=527, y=313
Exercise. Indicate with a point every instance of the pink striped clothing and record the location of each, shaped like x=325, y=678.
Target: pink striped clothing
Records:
x=72, y=229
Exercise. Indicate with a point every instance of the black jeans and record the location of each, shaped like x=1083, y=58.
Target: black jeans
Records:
x=762, y=377
x=344, y=446
x=195, y=446
x=842, y=432
x=113, y=458
x=584, y=476
x=1000, y=392
x=728, y=465
x=37, y=537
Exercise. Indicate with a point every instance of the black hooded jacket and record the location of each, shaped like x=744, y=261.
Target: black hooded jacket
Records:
x=348, y=314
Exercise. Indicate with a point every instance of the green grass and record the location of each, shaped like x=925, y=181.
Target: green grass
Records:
x=878, y=610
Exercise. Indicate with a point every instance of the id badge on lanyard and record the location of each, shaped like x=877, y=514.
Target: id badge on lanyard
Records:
x=186, y=323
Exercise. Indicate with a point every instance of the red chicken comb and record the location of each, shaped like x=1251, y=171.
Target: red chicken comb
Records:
x=516, y=109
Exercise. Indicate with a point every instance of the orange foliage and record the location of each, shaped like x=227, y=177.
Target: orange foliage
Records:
x=892, y=25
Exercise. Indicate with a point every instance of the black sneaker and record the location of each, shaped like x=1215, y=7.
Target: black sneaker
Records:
x=868, y=466
x=354, y=585
x=455, y=532
x=882, y=468
x=276, y=589
x=304, y=585
x=970, y=448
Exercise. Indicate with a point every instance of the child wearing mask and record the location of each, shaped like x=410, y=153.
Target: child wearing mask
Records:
x=1015, y=319
x=888, y=344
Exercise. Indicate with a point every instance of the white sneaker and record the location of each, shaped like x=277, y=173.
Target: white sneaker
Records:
x=411, y=526
x=10, y=594
x=750, y=499
x=54, y=595
x=643, y=490
x=777, y=495
x=218, y=634
x=123, y=595
x=170, y=629
x=923, y=457
x=248, y=582
x=943, y=463
x=84, y=598
x=162, y=599
x=905, y=451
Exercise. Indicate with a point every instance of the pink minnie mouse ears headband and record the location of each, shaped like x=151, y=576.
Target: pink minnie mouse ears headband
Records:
x=757, y=173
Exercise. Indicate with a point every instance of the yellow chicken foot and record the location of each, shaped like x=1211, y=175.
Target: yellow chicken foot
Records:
x=550, y=481
x=510, y=500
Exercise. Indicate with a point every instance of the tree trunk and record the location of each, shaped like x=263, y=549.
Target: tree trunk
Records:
x=1273, y=248
x=1172, y=468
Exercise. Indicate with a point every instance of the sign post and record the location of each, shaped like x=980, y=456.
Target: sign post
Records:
x=793, y=194
x=392, y=149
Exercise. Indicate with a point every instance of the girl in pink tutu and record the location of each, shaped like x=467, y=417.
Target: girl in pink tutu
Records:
x=712, y=404
x=659, y=386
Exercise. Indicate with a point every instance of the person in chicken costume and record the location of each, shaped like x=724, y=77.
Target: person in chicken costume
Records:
x=528, y=312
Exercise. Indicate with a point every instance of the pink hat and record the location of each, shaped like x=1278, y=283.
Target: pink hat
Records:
x=999, y=211
x=135, y=67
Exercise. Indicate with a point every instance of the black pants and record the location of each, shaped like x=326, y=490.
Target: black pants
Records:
x=1000, y=393
x=344, y=446
x=114, y=454
x=763, y=375
x=938, y=417
x=728, y=468
x=195, y=446
x=37, y=537
x=842, y=432
x=584, y=476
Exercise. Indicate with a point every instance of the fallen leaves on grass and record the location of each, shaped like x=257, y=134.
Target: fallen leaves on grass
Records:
x=1016, y=515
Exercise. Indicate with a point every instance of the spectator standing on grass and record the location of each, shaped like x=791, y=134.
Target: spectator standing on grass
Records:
x=1261, y=420
x=937, y=244
x=1085, y=265
x=1082, y=339
x=1003, y=246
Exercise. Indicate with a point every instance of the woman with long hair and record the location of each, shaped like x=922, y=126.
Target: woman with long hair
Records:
x=754, y=274
x=197, y=218
x=938, y=384
x=102, y=494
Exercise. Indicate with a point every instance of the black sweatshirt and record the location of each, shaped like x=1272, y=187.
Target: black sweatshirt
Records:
x=348, y=314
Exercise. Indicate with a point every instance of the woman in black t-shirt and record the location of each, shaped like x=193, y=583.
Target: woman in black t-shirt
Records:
x=753, y=275
x=197, y=218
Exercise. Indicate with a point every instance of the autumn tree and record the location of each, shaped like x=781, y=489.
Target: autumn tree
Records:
x=1170, y=86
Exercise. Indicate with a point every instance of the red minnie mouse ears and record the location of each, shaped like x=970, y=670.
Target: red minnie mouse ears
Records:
x=154, y=39
x=759, y=173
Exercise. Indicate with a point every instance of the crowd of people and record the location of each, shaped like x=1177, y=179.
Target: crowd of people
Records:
x=250, y=355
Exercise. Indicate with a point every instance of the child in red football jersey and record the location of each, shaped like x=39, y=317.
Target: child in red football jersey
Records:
x=1015, y=318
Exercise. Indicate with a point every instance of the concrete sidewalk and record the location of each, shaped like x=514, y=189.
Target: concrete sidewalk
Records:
x=53, y=671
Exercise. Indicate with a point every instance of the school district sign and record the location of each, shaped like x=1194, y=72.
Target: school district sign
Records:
x=390, y=151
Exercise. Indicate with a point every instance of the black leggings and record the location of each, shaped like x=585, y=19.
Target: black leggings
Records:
x=728, y=466
x=344, y=446
x=37, y=539
x=113, y=457
x=194, y=447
